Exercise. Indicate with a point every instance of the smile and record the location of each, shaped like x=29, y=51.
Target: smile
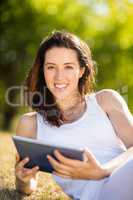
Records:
x=60, y=86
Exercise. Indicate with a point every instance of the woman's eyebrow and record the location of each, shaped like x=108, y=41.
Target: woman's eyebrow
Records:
x=67, y=63
x=49, y=63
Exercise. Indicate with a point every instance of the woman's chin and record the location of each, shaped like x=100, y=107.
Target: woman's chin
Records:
x=60, y=97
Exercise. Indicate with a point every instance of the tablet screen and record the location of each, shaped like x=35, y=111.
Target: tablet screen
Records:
x=37, y=152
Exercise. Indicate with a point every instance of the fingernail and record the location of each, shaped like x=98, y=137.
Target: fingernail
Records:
x=55, y=151
x=37, y=167
x=86, y=149
x=26, y=158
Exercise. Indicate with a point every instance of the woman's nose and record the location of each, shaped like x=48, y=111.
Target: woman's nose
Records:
x=59, y=75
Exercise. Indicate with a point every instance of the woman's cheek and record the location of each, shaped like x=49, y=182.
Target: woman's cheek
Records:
x=48, y=78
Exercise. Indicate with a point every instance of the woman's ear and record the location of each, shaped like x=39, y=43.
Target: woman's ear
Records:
x=82, y=70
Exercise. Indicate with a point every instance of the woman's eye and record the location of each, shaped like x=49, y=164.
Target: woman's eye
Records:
x=50, y=67
x=69, y=67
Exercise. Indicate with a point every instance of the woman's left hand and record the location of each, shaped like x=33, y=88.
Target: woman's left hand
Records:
x=89, y=168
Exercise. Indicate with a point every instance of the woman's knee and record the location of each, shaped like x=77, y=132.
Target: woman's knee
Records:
x=119, y=184
x=128, y=165
x=130, y=162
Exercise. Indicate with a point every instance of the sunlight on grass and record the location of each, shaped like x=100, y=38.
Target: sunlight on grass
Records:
x=47, y=188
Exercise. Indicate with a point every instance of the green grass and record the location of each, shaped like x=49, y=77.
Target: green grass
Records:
x=47, y=188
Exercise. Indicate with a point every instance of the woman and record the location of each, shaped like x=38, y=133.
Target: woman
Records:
x=60, y=90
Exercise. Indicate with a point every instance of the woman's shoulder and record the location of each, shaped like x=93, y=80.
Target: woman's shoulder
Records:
x=106, y=94
x=29, y=117
x=27, y=125
x=109, y=99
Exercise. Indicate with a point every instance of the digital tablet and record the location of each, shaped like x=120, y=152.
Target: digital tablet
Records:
x=37, y=151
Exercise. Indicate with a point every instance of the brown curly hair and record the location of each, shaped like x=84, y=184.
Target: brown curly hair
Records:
x=38, y=95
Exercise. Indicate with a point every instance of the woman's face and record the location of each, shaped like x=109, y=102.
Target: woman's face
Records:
x=62, y=72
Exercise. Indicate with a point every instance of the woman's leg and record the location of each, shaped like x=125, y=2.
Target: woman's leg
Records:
x=119, y=186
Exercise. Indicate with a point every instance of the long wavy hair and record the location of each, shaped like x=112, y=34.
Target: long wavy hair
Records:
x=38, y=95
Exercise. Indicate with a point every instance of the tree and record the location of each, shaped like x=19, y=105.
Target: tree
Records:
x=25, y=23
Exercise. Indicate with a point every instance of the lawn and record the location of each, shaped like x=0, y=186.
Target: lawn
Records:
x=47, y=188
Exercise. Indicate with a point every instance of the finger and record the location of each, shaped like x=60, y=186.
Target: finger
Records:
x=85, y=157
x=65, y=160
x=58, y=166
x=64, y=172
x=23, y=162
x=26, y=178
x=90, y=156
x=26, y=174
x=62, y=175
x=32, y=172
x=17, y=157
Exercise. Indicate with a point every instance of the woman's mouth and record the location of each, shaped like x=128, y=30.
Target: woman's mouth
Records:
x=60, y=86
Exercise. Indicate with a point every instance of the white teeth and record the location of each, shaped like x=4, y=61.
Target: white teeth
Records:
x=60, y=86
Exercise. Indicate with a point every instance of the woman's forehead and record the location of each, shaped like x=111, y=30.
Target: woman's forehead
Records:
x=62, y=54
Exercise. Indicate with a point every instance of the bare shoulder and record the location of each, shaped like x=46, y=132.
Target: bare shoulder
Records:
x=110, y=99
x=27, y=125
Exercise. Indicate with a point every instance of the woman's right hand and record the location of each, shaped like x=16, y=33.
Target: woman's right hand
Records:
x=24, y=175
x=26, y=179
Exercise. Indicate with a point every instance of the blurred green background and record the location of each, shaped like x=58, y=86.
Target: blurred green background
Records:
x=105, y=25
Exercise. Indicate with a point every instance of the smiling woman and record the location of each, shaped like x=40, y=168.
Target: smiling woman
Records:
x=63, y=66
x=69, y=112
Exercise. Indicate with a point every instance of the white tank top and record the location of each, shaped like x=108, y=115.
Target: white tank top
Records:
x=93, y=130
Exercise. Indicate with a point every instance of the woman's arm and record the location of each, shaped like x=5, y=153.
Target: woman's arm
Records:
x=117, y=162
x=26, y=179
x=117, y=110
x=122, y=120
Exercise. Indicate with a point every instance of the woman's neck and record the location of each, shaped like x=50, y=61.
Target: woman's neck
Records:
x=69, y=102
x=72, y=107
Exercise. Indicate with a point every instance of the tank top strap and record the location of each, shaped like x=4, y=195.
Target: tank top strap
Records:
x=93, y=104
x=40, y=125
x=90, y=97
